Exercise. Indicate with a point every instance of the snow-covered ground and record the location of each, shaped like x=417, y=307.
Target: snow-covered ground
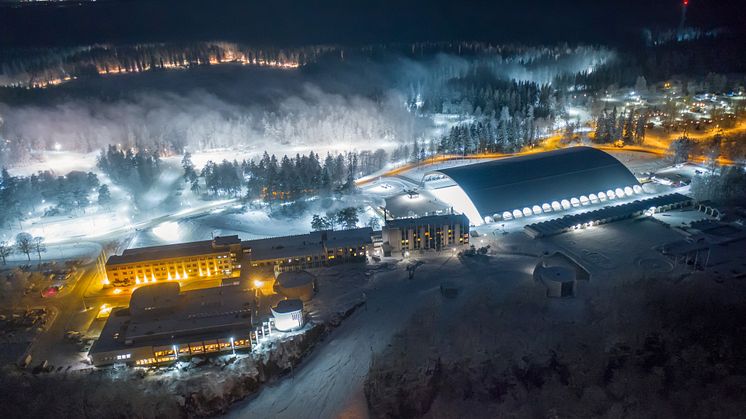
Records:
x=330, y=382
x=59, y=162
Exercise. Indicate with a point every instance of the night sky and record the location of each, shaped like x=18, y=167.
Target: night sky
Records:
x=352, y=22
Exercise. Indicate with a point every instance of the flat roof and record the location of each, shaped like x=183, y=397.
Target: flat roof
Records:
x=306, y=244
x=430, y=219
x=169, y=251
x=284, y=246
x=199, y=313
x=347, y=238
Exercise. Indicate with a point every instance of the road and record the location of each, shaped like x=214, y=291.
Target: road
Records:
x=51, y=344
x=330, y=382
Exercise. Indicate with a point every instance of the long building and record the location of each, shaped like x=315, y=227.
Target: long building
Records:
x=219, y=258
x=163, y=324
x=533, y=184
x=224, y=257
x=312, y=250
x=432, y=232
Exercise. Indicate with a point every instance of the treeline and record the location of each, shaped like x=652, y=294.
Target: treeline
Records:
x=502, y=134
x=694, y=59
x=612, y=126
x=37, y=68
x=286, y=179
x=22, y=196
x=480, y=94
x=726, y=186
x=136, y=170
x=732, y=147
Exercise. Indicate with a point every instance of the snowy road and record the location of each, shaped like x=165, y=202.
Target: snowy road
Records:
x=330, y=382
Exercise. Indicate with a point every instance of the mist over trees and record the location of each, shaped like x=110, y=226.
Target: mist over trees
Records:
x=283, y=180
x=134, y=169
x=24, y=196
x=339, y=99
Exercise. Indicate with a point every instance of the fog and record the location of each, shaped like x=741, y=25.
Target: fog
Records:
x=346, y=100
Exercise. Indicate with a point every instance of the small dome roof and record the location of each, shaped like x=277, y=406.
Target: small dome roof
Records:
x=288, y=306
x=295, y=279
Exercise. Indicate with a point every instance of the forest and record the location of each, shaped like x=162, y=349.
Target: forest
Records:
x=282, y=180
x=23, y=196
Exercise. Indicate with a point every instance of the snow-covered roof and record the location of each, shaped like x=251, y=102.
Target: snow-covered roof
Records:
x=535, y=179
x=287, y=306
x=156, y=317
x=292, y=279
x=307, y=244
x=405, y=223
x=169, y=251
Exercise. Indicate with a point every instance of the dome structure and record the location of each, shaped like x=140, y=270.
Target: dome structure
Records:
x=296, y=284
x=532, y=184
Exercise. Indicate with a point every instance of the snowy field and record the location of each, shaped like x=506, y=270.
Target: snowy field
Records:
x=59, y=162
x=330, y=382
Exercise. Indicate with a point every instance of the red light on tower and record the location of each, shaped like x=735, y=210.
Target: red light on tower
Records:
x=686, y=3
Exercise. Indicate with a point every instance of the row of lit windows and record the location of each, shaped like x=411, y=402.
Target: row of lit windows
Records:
x=168, y=354
x=307, y=259
x=178, y=261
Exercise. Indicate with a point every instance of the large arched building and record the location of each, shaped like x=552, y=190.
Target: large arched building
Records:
x=533, y=184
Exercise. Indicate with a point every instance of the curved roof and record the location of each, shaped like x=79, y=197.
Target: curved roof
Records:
x=536, y=179
x=288, y=306
x=294, y=279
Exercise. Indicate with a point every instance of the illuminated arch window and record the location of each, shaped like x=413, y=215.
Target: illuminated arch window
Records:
x=566, y=204
x=488, y=220
x=575, y=202
x=619, y=192
x=507, y=215
x=593, y=197
x=628, y=191
x=536, y=210
x=637, y=189
x=517, y=214
x=546, y=208
x=584, y=200
x=610, y=194
x=602, y=196
x=527, y=212
x=556, y=206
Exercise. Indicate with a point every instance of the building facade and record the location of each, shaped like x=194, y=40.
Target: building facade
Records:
x=432, y=232
x=218, y=258
x=312, y=250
